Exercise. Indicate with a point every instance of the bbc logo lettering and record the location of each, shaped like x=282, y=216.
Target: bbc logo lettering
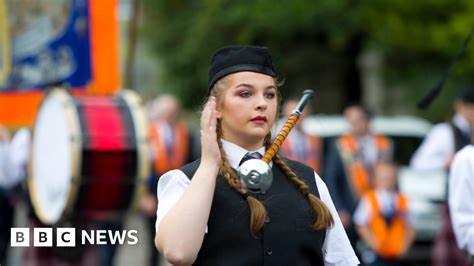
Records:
x=66, y=237
x=43, y=237
x=20, y=237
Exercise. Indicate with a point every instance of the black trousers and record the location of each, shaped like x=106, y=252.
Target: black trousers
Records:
x=6, y=223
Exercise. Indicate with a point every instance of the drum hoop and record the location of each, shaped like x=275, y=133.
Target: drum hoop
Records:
x=76, y=157
x=141, y=136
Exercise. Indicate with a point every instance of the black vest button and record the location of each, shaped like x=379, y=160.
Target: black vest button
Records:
x=267, y=220
x=269, y=252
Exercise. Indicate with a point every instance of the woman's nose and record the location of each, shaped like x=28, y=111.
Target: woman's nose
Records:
x=261, y=103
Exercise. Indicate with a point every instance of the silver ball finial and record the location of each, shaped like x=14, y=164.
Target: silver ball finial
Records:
x=256, y=175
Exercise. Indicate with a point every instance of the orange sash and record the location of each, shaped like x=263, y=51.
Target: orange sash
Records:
x=164, y=160
x=312, y=151
x=391, y=238
x=354, y=166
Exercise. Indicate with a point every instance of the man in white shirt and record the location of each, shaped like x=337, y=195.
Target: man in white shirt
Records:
x=461, y=196
x=442, y=142
x=436, y=152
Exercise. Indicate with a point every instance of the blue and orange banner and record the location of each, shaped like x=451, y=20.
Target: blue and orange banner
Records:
x=49, y=43
x=73, y=42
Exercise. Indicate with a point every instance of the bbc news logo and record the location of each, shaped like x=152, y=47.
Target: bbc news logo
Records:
x=66, y=237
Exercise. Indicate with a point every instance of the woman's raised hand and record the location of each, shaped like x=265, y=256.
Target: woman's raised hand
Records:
x=210, y=153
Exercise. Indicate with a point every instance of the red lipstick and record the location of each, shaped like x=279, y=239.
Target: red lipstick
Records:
x=259, y=119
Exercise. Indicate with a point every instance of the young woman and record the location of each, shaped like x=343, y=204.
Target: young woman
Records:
x=206, y=216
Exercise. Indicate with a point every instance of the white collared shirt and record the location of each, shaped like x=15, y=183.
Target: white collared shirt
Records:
x=438, y=146
x=461, y=198
x=336, y=247
x=368, y=148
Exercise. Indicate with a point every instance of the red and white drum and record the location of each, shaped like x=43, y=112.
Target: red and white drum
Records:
x=89, y=155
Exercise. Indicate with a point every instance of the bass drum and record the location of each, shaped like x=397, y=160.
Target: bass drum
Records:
x=90, y=156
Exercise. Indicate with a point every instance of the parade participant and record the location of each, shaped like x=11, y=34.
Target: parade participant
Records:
x=436, y=152
x=170, y=141
x=383, y=220
x=300, y=146
x=350, y=162
x=170, y=137
x=13, y=163
x=207, y=217
x=461, y=191
x=444, y=139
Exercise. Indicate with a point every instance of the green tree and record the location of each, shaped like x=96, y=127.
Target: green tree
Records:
x=418, y=39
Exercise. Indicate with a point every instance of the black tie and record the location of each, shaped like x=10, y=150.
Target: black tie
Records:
x=250, y=155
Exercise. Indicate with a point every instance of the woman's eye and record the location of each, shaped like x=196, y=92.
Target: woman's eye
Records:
x=245, y=94
x=270, y=95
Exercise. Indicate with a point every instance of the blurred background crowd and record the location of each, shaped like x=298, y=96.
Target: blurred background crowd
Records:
x=134, y=72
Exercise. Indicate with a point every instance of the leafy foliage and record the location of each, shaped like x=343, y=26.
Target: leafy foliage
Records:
x=414, y=36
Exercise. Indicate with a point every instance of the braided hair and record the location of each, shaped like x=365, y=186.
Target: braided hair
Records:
x=257, y=210
x=323, y=218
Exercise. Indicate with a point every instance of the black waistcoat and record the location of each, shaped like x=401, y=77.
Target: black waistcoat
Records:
x=460, y=139
x=286, y=238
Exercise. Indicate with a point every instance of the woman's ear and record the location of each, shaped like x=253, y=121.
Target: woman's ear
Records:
x=218, y=110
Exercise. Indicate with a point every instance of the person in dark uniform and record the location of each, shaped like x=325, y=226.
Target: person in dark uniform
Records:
x=437, y=152
x=206, y=216
x=350, y=161
x=445, y=139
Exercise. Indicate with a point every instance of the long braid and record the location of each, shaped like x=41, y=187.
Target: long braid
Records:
x=323, y=218
x=257, y=210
